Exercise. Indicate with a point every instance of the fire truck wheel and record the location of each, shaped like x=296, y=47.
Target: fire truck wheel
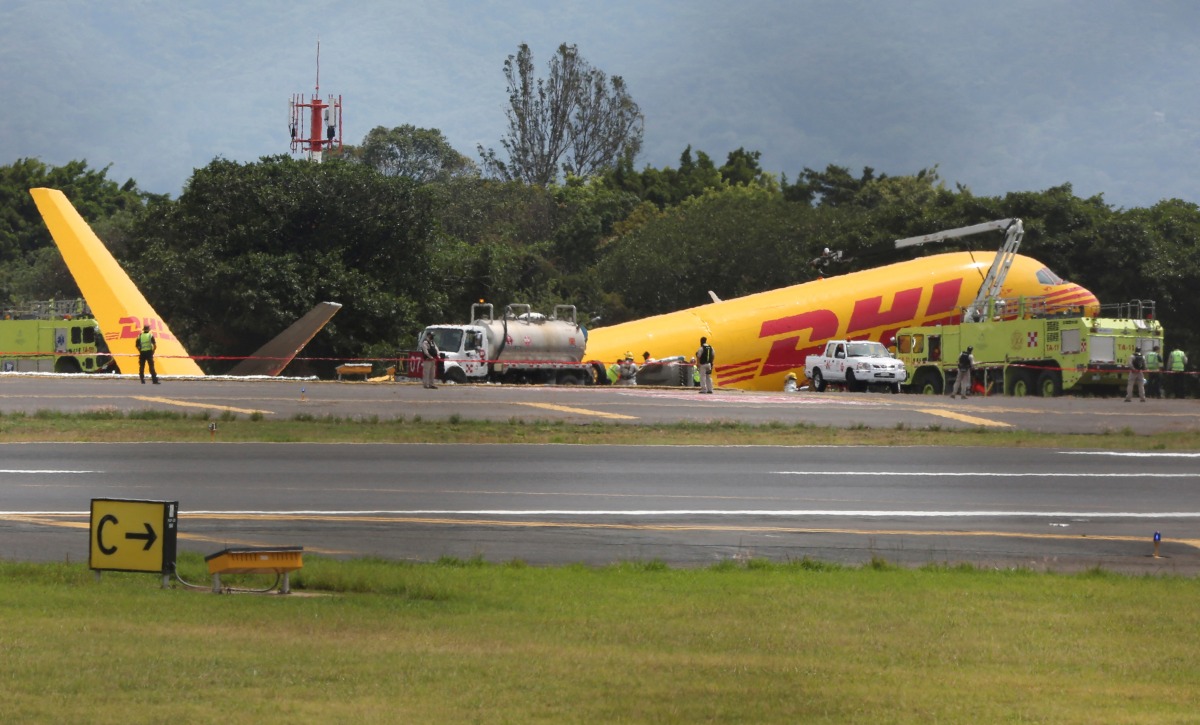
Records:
x=927, y=382
x=1049, y=384
x=1022, y=384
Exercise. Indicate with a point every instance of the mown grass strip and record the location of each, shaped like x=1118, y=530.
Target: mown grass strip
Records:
x=110, y=425
x=373, y=641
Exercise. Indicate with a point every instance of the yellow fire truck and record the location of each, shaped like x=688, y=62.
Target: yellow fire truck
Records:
x=1024, y=346
x=52, y=336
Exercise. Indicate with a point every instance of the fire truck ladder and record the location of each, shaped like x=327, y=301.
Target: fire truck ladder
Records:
x=1014, y=232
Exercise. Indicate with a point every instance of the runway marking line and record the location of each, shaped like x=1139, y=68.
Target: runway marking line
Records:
x=964, y=418
x=52, y=520
x=208, y=406
x=579, y=411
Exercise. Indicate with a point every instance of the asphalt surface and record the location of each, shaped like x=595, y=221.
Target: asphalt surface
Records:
x=554, y=504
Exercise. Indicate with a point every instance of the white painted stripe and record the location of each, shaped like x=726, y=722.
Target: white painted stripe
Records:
x=39, y=470
x=1132, y=454
x=988, y=474
x=812, y=513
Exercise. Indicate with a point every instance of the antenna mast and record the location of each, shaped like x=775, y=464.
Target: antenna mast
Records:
x=324, y=126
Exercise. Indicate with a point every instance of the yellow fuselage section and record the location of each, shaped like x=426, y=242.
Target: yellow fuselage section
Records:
x=762, y=337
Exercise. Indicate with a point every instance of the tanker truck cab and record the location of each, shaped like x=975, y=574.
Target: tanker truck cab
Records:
x=462, y=348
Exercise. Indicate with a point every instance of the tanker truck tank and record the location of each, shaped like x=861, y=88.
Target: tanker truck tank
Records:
x=519, y=346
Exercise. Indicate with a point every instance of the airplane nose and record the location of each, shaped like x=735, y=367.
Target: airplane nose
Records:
x=1067, y=296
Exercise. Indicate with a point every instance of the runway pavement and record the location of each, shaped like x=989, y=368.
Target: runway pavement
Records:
x=276, y=398
x=1063, y=510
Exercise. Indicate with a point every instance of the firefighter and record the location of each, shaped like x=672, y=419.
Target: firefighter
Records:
x=1137, y=375
x=1176, y=364
x=627, y=372
x=966, y=368
x=789, y=384
x=146, y=345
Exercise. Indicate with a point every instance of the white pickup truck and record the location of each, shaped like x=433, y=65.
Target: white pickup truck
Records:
x=857, y=364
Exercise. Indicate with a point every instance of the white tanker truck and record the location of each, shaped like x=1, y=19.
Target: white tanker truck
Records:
x=521, y=346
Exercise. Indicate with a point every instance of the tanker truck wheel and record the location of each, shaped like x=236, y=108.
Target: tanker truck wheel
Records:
x=456, y=376
x=570, y=377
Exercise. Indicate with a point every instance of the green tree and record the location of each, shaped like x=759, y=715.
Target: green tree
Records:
x=576, y=121
x=249, y=248
x=421, y=154
x=30, y=265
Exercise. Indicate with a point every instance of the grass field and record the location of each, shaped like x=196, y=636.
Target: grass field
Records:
x=370, y=641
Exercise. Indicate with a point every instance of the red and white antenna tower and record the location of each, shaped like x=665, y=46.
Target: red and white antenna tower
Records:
x=325, y=120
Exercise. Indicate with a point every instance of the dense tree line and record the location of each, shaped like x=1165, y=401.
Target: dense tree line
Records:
x=248, y=248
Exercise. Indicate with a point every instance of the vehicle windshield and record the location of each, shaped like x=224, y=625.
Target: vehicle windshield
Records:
x=867, y=349
x=447, y=339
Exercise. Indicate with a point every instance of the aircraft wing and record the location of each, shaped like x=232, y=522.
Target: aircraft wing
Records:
x=272, y=358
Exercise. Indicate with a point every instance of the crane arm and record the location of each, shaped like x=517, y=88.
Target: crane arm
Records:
x=993, y=282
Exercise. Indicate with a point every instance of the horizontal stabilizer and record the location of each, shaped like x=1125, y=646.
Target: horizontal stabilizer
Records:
x=272, y=358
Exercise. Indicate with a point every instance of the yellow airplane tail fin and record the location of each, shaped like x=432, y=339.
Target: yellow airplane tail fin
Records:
x=116, y=302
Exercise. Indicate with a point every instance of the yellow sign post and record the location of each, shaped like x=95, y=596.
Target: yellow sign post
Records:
x=133, y=535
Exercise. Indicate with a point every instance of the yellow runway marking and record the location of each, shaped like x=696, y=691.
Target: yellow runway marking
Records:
x=579, y=411
x=55, y=520
x=964, y=418
x=208, y=406
x=225, y=541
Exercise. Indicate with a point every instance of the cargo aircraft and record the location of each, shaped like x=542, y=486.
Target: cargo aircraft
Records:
x=122, y=311
x=760, y=338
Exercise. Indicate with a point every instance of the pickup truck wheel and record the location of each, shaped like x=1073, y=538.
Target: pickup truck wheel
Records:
x=818, y=381
x=853, y=385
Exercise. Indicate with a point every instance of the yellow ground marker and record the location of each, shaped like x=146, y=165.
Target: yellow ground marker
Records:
x=964, y=418
x=209, y=406
x=580, y=411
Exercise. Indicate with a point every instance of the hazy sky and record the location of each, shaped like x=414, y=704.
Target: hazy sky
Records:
x=1002, y=96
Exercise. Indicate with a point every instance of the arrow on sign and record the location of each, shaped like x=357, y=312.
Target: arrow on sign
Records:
x=149, y=537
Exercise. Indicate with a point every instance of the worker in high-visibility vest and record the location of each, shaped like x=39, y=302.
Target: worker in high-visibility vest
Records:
x=1176, y=364
x=146, y=345
x=1154, y=366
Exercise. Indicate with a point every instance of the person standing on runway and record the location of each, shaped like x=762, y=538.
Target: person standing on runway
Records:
x=704, y=362
x=146, y=345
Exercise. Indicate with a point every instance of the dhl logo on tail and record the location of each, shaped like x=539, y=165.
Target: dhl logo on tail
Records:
x=761, y=337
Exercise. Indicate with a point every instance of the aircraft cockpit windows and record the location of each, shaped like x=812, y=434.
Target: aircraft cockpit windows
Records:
x=1045, y=276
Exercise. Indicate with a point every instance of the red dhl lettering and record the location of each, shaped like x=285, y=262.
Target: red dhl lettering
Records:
x=867, y=314
x=131, y=327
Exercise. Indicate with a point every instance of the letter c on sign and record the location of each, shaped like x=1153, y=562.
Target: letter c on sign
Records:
x=107, y=550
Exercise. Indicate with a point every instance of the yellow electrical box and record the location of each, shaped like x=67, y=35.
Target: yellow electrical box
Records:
x=256, y=560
